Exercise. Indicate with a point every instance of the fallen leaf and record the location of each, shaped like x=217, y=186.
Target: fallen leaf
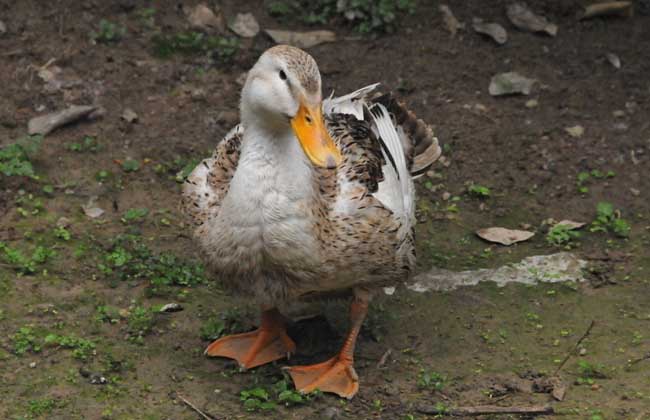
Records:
x=576, y=131
x=613, y=60
x=453, y=24
x=202, y=17
x=523, y=18
x=91, y=210
x=301, y=39
x=612, y=8
x=559, y=389
x=245, y=25
x=504, y=236
x=570, y=224
x=493, y=30
x=129, y=115
x=510, y=84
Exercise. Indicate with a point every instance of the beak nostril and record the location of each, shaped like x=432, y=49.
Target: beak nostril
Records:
x=308, y=119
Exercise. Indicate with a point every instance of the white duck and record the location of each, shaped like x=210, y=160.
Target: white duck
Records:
x=308, y=198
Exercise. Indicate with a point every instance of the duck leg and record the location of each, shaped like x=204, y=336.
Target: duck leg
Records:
x=336, y=375
x=268, y=343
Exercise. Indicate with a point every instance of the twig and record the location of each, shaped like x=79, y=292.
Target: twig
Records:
x=384, y=357
x=568, y=355
x=481, y=410
x=193, y=407
x=639, y=360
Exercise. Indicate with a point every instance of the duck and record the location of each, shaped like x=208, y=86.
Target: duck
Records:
x=307, y=198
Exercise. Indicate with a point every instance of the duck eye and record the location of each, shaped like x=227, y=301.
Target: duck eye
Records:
x=283, y=75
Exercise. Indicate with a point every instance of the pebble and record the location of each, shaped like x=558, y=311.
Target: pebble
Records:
x=635, y=192
x=583, y=351
x=330, y=413
x=618, y=113
x=3, y=28
x=32, y=365
x=446, y=195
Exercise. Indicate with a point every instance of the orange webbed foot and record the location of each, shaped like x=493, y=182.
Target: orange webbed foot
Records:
x=268, y=343
x=335, y=375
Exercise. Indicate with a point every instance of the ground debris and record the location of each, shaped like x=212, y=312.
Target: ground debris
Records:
x=301, y=39
x=245, y=25
x=523, y=18
x=3, y=28
x=202, y=17
x=510, y=83
x=570, y=224
x=611, y=8
x=493, y=30
x=504, y=236
x=91, y=210
x=481, y=410
x=453, y=25
x=45, y=124
x=171, y=307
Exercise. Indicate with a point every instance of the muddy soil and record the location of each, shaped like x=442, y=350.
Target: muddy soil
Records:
x=473, y=346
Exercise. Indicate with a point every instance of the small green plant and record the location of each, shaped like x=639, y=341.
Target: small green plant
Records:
x=107, y=313
x=147, y=17
x=560, y=235
x=609, y=220
x=584, y=178
x=588, y=372
x=15, y=157
x=87, y=144
x=62, y=233
x=430, y=380
x=103, y=175
x=227, y=322
x=478, y=191
x=24, y=340
x=41, y=407
x=140, y=323
x=129, y=259
x=108, y=32
x=134, y=215
x=266, y=399
x=222, y=49
x=257, y=399
x=20, y=262
x=130, y=165
x=365, y=15
x=81, y=348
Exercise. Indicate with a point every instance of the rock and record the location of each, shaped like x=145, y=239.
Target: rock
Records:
x=523, y=18
x=453, y=24
x=198, y=94
x=613, y=60
x=245, y=25
x=301, y=39
x=32, y=365
x=3, y=28
x=171, y=307
x=129, y=115
x=583, y=351
x=202, y=17
x=510, y=83
x=554, y=268
x=576, y=131
x=504, y=236
x=45, y=124
x=493, y=30
x=635, y=192
x=619, y=113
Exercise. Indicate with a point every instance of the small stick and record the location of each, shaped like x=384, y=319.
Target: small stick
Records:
x=618, y=8
x=568, y=355
x=193, y=407
x=384, y=357
x=639, y=360
x=481, y=410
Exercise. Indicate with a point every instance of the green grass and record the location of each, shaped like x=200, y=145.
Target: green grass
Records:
x=222, y=49
x=82, y=349
x=108, y=32
x=25, y=340
x=365, y=15
x=22, y=263
x=15, y=157
x=478, y=191
x=428, y=379
x=609, y=220
x=87, y=144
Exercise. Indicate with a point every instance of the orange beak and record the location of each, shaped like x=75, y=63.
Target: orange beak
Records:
x=309, y=127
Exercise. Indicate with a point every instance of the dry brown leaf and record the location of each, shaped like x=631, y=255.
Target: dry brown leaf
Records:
x=493, y=30
x=611, y=8
x=301, y=39
x=504, y=236
x=453, y=24
x=570, y=224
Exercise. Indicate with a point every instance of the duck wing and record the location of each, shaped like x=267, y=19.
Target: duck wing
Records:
x=207, y=185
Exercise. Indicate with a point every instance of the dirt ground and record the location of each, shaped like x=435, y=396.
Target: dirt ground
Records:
x=474, y=346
